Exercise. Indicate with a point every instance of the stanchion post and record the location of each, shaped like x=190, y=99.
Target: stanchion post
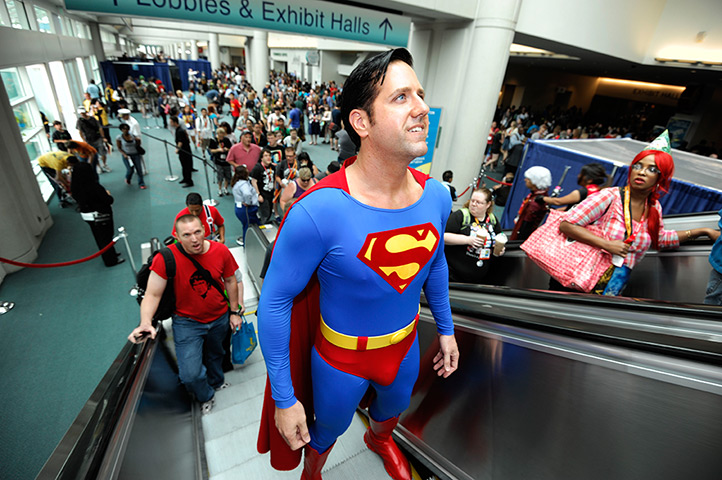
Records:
x=124, y=235
x=211, y=201
x=170, y=177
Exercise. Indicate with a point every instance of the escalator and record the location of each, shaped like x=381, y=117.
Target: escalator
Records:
x=550, y=386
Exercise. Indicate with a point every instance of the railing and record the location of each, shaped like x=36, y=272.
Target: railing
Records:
x=97, y=438
x=172, y=178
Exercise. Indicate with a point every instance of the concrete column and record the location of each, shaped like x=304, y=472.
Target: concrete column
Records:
x=214, y=54
x=225, y=55
x=486, y=61
x=194, y=50
x=24, y=216
x=97, y=42
x=259, y=63
x=186, y=53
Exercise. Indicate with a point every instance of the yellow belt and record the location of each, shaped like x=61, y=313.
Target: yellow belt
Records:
x=350, y=342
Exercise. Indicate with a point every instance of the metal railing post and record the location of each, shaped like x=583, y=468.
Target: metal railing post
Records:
x=170, y=177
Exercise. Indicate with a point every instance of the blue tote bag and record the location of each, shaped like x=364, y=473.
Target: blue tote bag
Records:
x=243, y=342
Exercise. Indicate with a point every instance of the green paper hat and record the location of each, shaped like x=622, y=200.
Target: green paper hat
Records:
x=661, y=143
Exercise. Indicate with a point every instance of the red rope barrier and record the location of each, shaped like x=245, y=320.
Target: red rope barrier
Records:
x=498, y=181
x=462, y=193
x=62, y=264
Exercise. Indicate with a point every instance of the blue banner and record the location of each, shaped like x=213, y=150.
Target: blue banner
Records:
x=423, y=163
x=307, y=17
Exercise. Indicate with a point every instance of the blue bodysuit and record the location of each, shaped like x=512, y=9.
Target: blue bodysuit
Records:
x=371, y=265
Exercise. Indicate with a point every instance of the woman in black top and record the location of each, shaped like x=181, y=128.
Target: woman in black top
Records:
x=95, y=202
x=469, y=238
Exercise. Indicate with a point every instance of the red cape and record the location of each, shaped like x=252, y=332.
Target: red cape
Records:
x=305, y=316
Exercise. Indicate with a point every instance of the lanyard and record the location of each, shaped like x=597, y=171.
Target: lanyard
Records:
x=629, y=235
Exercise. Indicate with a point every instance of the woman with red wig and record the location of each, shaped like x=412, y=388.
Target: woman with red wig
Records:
x=635, y=220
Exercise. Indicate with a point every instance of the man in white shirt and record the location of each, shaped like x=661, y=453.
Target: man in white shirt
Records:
x=205, y=129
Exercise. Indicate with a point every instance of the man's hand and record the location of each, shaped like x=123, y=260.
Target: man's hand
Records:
x=141, y=333
x=236, y=321
x=291, y=424
x=447, y=360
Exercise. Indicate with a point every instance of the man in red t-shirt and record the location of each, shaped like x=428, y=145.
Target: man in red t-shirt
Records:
x=235, y=110
x=214, y=226
x=201, y=317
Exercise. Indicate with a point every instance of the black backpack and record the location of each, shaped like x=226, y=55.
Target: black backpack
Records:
x=166, y=307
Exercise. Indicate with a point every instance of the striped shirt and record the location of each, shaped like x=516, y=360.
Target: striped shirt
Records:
x=594, y=207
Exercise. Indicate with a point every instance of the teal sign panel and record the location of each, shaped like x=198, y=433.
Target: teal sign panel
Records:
x=423, y=163
x=308, y=17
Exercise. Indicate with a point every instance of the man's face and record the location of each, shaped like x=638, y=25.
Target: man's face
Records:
x=257, y=129
x=266, y=158
x=290, y=156
x=191, y=236
x=58, y=127
x=246, y=139
x=195, y=210
x=400, y=115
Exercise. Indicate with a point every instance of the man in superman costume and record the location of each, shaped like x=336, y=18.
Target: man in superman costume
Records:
x=340, y=299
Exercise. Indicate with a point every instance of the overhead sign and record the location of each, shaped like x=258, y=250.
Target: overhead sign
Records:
x=308, y=17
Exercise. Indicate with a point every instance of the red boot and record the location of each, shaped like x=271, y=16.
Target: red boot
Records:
x=313, y=462
x=378, y=439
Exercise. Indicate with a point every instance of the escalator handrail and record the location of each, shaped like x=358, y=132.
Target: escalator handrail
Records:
x=102, y=425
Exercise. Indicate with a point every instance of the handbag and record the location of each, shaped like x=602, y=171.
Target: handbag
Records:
x=574, y=264
x=139, y=149
x=243, y=342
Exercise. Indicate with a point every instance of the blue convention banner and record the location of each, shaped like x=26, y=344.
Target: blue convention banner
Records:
x=308, y=17
x=423, y=163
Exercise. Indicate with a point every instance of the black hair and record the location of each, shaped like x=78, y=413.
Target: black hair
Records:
x=333, y=167
x=447, y=176
x=57, y=122
x=124, y=126
x=194, y=198
x=362, y=86
x=303, y=156
x=594, y=173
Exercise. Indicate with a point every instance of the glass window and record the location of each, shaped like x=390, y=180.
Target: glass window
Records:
x=59, y=23
x=16, y=12
x=122, y=41
x=79, y=28
x=68, y=27
x=34, y=147
x=107, y=36
x=13, y=85
x=43, y=20
x=26, y=120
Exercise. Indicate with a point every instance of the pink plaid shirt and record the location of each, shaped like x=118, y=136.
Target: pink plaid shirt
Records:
x=593, y=209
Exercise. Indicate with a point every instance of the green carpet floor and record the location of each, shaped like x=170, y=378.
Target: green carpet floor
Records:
x=70, y=323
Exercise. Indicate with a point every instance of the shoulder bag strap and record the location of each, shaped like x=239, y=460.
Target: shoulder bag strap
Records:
x=206, y=274
x=209, y=219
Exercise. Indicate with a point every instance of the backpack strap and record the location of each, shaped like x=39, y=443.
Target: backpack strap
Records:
x=466, y=220
x=169, y=262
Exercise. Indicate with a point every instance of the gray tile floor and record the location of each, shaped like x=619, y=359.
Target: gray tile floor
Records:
x=231, y=429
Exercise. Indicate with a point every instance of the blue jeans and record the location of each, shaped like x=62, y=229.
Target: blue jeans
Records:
x=199, y=369
x=713, y=296
x=247, y=215
x=135, y=165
